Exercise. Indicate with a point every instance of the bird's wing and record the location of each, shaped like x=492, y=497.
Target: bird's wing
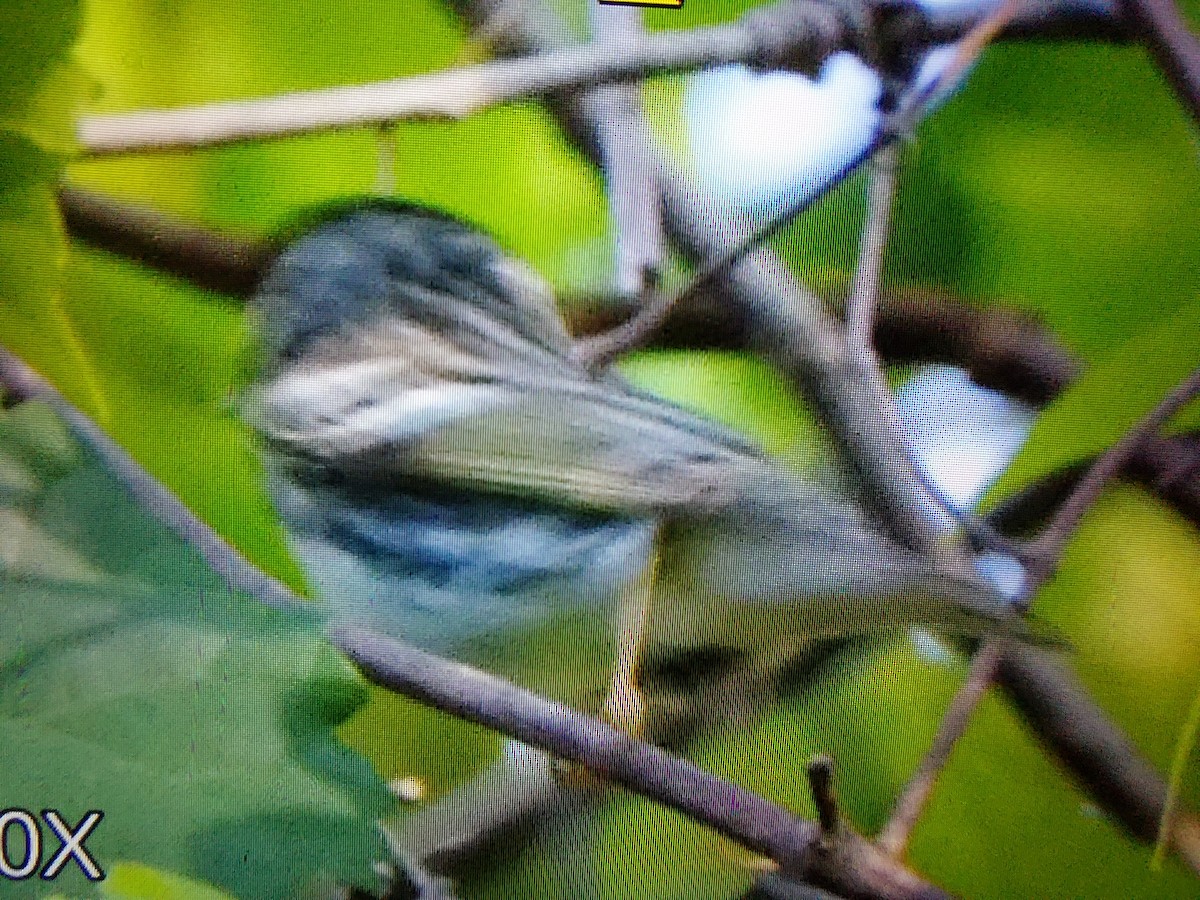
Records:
x=577, y=442
x=588, y=448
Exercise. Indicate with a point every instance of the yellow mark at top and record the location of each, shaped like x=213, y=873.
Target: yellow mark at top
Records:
x=662, y=4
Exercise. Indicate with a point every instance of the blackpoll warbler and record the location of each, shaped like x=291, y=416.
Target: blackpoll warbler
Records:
x=449, y=472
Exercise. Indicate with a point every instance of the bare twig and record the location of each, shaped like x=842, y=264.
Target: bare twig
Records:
x=1174, y=46
x=629, y=164
x=1046, y=551
x=239, y=573
x=448, y=833
x=848, y=865
x=640, y=328
x=798, y=34
x=893, y=839
x=201, y=256
x=864, y=293
x=860, y=332
x=1043, y=557
x=820, y=782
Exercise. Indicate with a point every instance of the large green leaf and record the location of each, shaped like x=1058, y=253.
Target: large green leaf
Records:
x=133, y=682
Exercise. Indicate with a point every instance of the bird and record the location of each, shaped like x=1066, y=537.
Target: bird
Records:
x=450, y=473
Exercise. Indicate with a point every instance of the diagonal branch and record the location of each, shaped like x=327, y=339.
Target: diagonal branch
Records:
x=1174, y=46
x=797, y=34
x=997, y=656
x=893, y=838
x=844, y=863
x=23, y=383
x=856, y=868
x=1048, y=549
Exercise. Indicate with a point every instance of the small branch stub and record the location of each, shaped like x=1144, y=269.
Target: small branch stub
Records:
x=820, y=781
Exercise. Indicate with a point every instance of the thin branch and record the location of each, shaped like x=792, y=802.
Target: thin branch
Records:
x=601, y=349
x=1176, y=49
x=1043, y=555
x=893, y=839
x=860, y=332
x=794, y=34
x=629, y=164
x=820, y=782
x=851, y=866
x=474, y=817
x=238, y=572
x=864, y=294
x=200, y=256
x=861, y=307
x=1047, y=550
x=1165, y=466
x=1048, y=695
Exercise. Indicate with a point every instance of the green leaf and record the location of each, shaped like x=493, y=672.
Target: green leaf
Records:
x=133, y=682
x=34, y=38
x=133, y=881
x=1113, y=395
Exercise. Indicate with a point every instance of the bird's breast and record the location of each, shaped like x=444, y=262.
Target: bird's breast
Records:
x=442, y=568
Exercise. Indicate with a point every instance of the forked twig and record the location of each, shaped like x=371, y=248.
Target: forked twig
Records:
x=1043, y=558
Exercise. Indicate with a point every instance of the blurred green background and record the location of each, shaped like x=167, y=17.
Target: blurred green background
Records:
x=1062, y=180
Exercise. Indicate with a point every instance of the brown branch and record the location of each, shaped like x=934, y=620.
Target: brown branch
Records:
x=848, y=865
x=200, y=256
x=1047, y=550
x=893, y=839
x=820, y=782
x=999, y=348
x=23, y=383
x=1166, y=466
x=1175, y=48
x=628, y=166
x=794, y=34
